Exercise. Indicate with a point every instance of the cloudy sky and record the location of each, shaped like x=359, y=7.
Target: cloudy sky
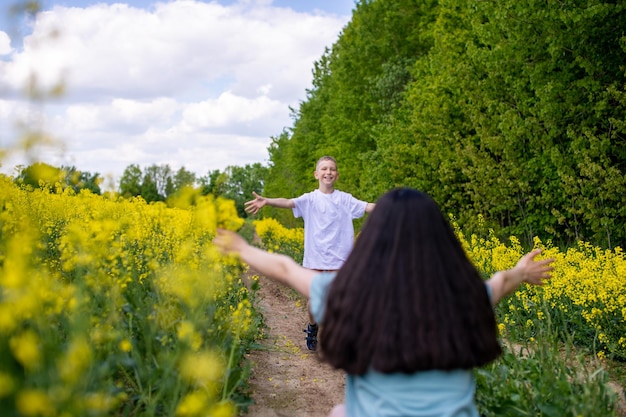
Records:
x=198, y=84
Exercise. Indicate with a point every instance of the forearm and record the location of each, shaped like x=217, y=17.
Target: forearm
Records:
x=502, y=283
x=528, y=269
x=278, y=267
x=280, y=202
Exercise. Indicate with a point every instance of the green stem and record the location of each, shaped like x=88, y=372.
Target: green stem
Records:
x=231, y=358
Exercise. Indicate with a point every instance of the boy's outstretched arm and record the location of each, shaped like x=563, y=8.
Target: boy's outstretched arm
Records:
x=273, y=265
x=527, y=270
x=253, y=206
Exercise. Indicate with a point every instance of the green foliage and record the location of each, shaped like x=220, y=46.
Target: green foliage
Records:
x=182, y=178
x=286, y=177
x=79, y=180
x=542, y=379
x=155, y=182
x=510, y=110
x=356, y=84
x=44, y=176
x=130, y=182
x=150, y=190
x=236, y=183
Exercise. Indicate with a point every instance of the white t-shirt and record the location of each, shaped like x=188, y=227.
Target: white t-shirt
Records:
x=328, y=228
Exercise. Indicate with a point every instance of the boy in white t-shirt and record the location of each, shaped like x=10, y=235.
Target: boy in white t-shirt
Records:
x=328, y=227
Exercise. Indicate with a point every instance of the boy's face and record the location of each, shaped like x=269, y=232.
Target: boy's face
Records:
x=326, y=173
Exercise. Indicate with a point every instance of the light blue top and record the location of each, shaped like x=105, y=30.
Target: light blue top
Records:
x=421, y=394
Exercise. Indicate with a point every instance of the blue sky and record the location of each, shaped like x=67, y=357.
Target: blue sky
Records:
x=341, y=7
x=199, y=84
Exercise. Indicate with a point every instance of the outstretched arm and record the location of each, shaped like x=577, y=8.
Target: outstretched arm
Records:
x=272, y=265
x=527, y=270
x=370, y=207
x=253, y=206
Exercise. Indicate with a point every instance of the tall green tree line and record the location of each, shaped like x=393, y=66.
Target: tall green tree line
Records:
x=509, y=111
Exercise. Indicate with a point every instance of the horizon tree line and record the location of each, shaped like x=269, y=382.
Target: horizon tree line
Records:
x=153, y=183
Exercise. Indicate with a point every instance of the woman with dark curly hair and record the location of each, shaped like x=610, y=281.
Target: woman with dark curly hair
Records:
x=408, y=315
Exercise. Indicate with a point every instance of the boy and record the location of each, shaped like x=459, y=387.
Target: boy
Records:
x=328, y=229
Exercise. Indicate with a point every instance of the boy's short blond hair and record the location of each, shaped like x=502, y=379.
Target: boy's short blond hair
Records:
x=325, y=158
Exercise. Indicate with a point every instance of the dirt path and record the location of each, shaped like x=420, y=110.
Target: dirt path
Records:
x=287, y=379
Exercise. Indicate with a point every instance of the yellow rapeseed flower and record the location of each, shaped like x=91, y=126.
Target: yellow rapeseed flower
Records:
x=7, y=384
x=26, y=349
x=193, y=404
x=187, y=333
x=76, y=361
x=223, y=409
x=8, y=321
x=203, y=368
x=125, y=345
x=99, y=403
x=34, y=402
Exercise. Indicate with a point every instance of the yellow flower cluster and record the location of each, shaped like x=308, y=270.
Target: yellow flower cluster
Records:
x=586, y=295
x=104, y=299
x=277, y=238
x=589, y=284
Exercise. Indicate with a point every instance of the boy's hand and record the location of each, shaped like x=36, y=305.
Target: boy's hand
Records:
x=253, y=206
x=534, y=271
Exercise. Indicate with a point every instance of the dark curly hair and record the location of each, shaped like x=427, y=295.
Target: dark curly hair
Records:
x=408, y=298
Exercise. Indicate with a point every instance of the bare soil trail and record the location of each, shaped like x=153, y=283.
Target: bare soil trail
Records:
x=287, y=379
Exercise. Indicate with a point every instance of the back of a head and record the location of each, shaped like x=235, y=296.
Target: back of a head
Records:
x=408, y=298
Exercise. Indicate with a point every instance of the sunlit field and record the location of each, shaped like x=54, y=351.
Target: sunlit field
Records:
x=116, y=307
x=113, y=307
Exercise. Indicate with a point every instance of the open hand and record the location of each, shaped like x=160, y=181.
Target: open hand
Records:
x=534, y=271
x=253, y=206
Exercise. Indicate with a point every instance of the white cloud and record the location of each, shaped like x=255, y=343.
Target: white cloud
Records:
x=5, y=44
x=230, y=110
x=119, y=114
x=187, y=83
x=120, y=50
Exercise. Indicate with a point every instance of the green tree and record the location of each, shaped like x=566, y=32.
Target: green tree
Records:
x=357, y=84
x=285, y=178
x=159, y=176
x=41, y=175
x=156, y=182
x=183, y=178
x=82, y=180
x=150, y=190
x=130, y=182
x=237, y=183
x=213, y=182
x=508, y=112
x=531, y=86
